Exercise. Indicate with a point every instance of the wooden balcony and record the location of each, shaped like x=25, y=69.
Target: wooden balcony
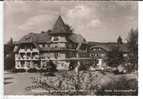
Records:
x=22, y=51
x=28, y=50
x=57, y=49
x=35, y=50
x=69, y=59
x=27, y=58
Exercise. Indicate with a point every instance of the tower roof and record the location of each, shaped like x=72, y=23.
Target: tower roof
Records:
x=59, y=26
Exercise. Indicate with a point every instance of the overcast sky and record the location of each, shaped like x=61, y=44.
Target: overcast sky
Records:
x=96, y=21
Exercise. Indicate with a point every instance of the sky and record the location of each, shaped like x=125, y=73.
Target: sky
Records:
x=99, y=21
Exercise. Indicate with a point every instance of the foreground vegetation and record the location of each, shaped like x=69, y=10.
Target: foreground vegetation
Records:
x=85, y=83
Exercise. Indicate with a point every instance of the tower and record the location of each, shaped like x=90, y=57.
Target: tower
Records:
x=59, y=41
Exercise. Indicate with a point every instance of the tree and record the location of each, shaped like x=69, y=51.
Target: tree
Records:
x=133, y=47
x=49, y=31
x=119, y=40
x=115, y=57
x=9, y=59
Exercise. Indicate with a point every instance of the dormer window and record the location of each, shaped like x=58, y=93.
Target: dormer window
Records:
x=55, y=39
x=29, y=38
x=40, y=45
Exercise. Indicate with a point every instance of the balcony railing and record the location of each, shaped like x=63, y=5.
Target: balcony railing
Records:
x=22, y=51
x=27, y=58
x=35, y=50
x=28, y=50
x=57, y=49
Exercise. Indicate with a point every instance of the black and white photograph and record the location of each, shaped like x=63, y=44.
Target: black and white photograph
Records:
x=70, y=48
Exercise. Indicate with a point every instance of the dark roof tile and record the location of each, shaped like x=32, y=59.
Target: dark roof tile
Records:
x=59, y=26
x=77, y=38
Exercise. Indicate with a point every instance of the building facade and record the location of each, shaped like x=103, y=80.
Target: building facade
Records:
x=60, y=45
x=100, y=51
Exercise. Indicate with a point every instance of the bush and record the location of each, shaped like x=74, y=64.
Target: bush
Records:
x=85, y=83
x=32, y=70
x=18, y=70
x=115, y=57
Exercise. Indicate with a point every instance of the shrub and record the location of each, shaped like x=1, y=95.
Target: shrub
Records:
x=32, y=70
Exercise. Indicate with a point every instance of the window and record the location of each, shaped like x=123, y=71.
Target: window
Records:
x=43, y=45
x=22, y=63
x=55, y=38
x=56, y=55
x=40, y=45
x=46, y=45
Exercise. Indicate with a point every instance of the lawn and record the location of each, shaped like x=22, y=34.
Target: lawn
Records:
x=68, y=83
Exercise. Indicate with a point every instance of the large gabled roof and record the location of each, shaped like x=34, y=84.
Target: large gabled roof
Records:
x=35, y=37
x=77, y=38
x=45, y=37
x=29, y=38
x=59, y=27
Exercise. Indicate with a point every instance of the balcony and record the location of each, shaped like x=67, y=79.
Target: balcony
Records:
x=27, y=58
x=35, y=50
x=22, y=51
x=29, y=50
x=57, y=49
x=35, y=57
x=18, y=58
